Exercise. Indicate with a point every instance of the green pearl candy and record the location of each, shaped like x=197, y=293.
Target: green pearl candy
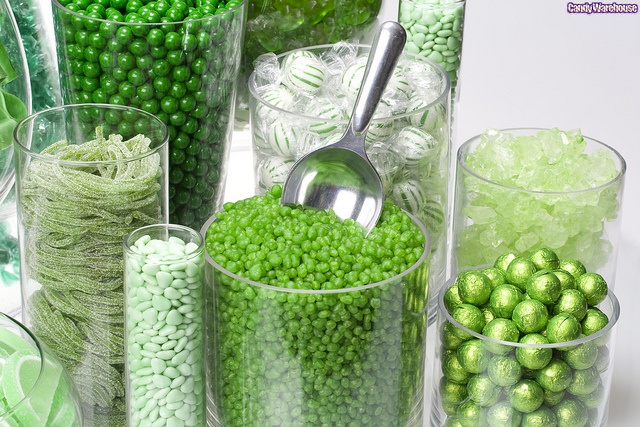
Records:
x=544, y=286
x=496, y=275
x=581, y=356
x=593, y=286
x=502, y=414
x=503, y=330
x=526, y=396
x=519, y=271
x=470, y=317
x=545, y=259
x=566, y=279
x=556, y=376
x=452, y=298
x=572, y=301
x=482, y=390
x=453, y=370
x=473, y=356
x=503, y=261
x=452, y=392
x=530, y=316
x=563, y=327
x=471, y=414
x=552, y=398
x=474, y=287
x=595, y=398
x=541, y=417
x=571, y=413
x=504, y=299
x=504, y=371
x=584, y=381
x=573, y=267
x=593, y=321
x=534, y=357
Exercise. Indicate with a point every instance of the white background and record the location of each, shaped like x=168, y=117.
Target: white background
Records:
x=529, y=63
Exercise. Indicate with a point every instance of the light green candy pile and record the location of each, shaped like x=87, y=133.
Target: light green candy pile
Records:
x=503, y=218
x=75, y=220
x=165, y=333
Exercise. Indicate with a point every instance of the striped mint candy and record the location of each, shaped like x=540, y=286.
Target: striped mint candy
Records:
x=409, y=195
x=273, y=171
x=283, y=139
x=277, y=96
x=289, y=58
x=304, y=74
x=325, y=109
x=415, y=146
x=419, y=115
x=351, y=79
x=398, y=87
x=386, y=163
x=432, y=214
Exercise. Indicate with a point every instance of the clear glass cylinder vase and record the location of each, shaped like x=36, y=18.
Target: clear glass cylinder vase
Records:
x=87, y=175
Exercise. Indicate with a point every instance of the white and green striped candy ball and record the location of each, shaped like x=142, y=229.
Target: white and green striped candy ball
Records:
x=325, y=109
x=430, y=119
x=380, y=130
x=351, y=79
x=290, y=57
x=409, y=195
x=283, y=139
x=304, y=74
x=278, y=96
x=415, y=146
x=273, y=171
x=398, y=87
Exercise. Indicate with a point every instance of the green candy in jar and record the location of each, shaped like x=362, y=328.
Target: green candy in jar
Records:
x=556, y=376
x=496, y=275
x=530, y=316
x=526, y=396
x=552, y=398
x=504, y=260
x=474, y=287
x=469, y=316
x=572, y=301
x=471, y=414
x=534, y=357
x=544, y=286
x=452, y=392
x=504, y=371
x=502, y=414
x=503, y=330
x=581, y=356
x=503, y=299
x=573, y=267
x=584, y=381
x=473, y=356
x=571, y=413
x=544, y=259
x=593, y=286
x=541, y=417
x=519, y=271
x=563, y=327
x=594, y=399
x=482, y=390
x=593, y=321
x=453, y=370
x=452, y=298
x=566, y=279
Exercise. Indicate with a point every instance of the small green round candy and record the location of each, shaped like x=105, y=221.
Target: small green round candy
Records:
x=566, y=279
x=473, y=356
x=571, y=413
x=502, y=414
x=593, y=286
x=495, y=275
x=482, y=390
x=556, y=376
x=595, y=398
x=541, y=417
x=530, y=316
x=450, y=336
x=526, y=396
x=533, y=356
x=519, y=271
x=552, y=398
x=471, y=414
x=474, y=287
x=452, y=369
x=563, y=327
x=503, y=261
x=571, y=301
x=452, y=298
x=504, y=299
x=584, y=381
x=470, y=317
x=544, y=286
x=452, y=392
x=593, y=321
x=544, y=259
x=581, y=356
x=573, y=267
x=504, y=371
x=503, y=330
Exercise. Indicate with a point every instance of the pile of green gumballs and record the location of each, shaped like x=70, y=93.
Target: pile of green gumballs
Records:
x=176, y=59
x=539, y=302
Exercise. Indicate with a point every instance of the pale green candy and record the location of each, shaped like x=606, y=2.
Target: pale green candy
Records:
x=164, y=279
x=161, y=303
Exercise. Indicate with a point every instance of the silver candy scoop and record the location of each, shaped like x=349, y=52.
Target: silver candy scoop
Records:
x=340, y=176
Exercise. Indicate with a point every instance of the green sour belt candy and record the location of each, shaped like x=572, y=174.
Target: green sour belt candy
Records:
x=165, y=333
x=75, y=221
x=354, y=357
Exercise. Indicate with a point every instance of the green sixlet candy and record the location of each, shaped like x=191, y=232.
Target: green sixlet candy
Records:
x=534, y=357
x=571, y=413
x=519, y=271
x=571, y=301
x=544, y=286
x=563, y=327
x=541, y=417
x=556, y=376
x=504, y=371
x=544, y=259
x=526, y=396
x=502, y=414
x=593, y=286
x=530, y=316
x=573, y=267
x=504, y=298
x=474, y=287
x=503, y=330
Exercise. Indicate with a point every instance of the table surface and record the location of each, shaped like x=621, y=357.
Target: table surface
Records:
x=532, y=64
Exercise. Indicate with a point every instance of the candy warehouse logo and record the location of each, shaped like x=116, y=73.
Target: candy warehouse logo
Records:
x=598, y=7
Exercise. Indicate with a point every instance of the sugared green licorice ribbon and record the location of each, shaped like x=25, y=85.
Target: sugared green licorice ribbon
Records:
x=76, y=216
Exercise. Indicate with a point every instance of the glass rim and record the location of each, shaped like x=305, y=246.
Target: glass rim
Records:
x=162, y=226
x=461, y=161
x=423, y=258
x=436, y=6
x=148, y=24
x=40, y=354
x=18, y=144
x=613, y=321
x=441, y=99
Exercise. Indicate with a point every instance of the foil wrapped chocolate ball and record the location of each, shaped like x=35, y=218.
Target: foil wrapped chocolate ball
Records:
x=482, y=390
x=504, y=371
x=573, y=267
x=571, y=301
x=502, y=414
x=503, y=299
x=584, y=381
x=474, y=287
x=544, y=286
x=571, y=413
x=541, y=417
x=473, y=356
x=526, y=396
x=563, y=327
x=503, y=330
x=593, y=286
x=519, y=272
x=469, y=316
x=566, y=279
x=530, y=316
x=534, y=357
x=581, y=356
x=496, y=275
x=544, y=259
x=556, y=376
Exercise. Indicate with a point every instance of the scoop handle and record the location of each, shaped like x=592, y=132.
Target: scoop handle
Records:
x=385, y=51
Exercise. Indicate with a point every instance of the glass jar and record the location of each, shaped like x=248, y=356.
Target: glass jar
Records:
x=184, y=71
x=36, y=389
x=164, y=332
x=85, y=179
